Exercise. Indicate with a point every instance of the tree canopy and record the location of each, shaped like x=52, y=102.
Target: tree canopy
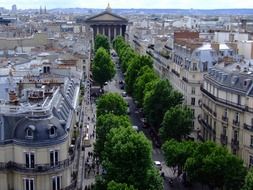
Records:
x=103, y=68
x=102, y=41
x=146, y=75
x=111, y=103
x=248, y=185
x=133, y=69
x=127, y=158
x=112, y=185
x=104, y=124
x=177, y=123
x=158, y=100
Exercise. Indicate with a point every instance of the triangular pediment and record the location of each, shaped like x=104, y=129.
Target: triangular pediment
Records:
x=106, y=16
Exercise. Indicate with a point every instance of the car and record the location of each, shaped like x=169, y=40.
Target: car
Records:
x=158, y=165
x=105, y=83
x=124, y=94
x=121, y=82
x=135, y=128
x=128, y=111
x=145, y=123
x=122, y=87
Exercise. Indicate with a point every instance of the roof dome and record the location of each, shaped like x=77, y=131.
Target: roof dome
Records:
x=108, y=8
x=39, y=130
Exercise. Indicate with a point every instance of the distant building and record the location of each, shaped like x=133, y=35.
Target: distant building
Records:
x=14, y=8
x=107, y=23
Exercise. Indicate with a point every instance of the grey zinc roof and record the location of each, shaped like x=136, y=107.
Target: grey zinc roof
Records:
x=232, y=80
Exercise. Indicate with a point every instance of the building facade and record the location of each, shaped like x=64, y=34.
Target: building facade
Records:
x=36, y=129
x=108, y=24
x=227, y=107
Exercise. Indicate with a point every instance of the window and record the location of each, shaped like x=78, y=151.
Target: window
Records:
x=29, y=184
x=193, y=101
x=236, y=134
x=224, y=130
x=193, y=90
x=52, y=131
x=251, y=140
x=238, y=99
x=194, y=66
x=56, y=182
x=29, y=159
x=237, y=117
x=29, y=133
x=54, y=158
x=250, y=161
x=193, y=113
x=226, y=113
x=204, y=66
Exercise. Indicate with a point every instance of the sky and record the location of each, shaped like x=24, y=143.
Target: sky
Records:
x=149, y=4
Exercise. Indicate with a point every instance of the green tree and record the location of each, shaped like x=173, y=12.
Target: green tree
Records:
x=146, y=75
x=248, y=185
x=111, y=103
x=104, y=124
x=177, y=123
x=102, y=41
x=133, y=69
x=158, y=100
x=112, y=185
x=127, y=157
x=176, y=153
x=126, y=58
x=103, y=68
x=213, y=165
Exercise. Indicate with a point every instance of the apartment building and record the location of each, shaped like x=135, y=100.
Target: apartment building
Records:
x=37, y=125
x=227, y=107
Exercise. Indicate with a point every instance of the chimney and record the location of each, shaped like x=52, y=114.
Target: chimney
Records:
x=13, y=97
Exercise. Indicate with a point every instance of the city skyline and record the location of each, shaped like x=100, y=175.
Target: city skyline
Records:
x=147, y=4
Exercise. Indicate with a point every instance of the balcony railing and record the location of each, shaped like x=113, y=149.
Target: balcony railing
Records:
x=38, y=168
x=223, y=139
x=185, y=79
x=206, y=125
x=236, y=122
x=224, y=118
x=209, y=110
x=234, y=144
x=248, y=127
x=175, y=72
x=71, y=186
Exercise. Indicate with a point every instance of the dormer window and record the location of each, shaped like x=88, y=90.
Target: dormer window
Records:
x=52, y=131
x=30, y=132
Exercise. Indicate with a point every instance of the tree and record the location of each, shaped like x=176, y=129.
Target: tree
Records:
x=212, y=165
x=103, y=68
x=176, y=153
x=177, y=123
x=127, y=157
x=112, y=185
x=145, y=76
x=133, y=69
x=248, y=185
x=102, y=41
x=111, y=103
x=158, y=100
x=104, y=124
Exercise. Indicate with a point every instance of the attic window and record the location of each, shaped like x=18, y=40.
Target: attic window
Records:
x=52, y=131
x=30, y=132
x=234, y=80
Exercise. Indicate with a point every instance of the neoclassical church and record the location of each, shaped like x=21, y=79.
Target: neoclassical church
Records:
x=108, y=23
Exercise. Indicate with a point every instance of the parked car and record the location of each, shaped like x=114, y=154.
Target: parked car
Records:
x=136, y=128
x=158, y=165
x=124, y=94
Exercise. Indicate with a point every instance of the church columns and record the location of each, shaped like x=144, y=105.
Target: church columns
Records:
x=109, y=33
x=115, y=34
x=103, y=30
x=120, y=30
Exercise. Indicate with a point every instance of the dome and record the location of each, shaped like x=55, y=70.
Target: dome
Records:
x=39, y=130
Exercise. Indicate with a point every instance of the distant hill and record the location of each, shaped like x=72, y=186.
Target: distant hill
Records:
x=161, y=11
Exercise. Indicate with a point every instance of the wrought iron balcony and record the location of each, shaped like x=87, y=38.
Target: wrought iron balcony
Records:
x=38, y=168
x=248, y=127
x=236, y=122
x=224, y=118
x=223, y=139
x=234, y=144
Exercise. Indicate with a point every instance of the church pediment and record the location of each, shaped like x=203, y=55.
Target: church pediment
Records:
x=106, y=16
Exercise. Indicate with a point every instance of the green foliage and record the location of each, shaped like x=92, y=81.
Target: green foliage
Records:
x=158, y=100
x=133, y=69
x=127, y=157
x=112, y=185
x=104, y=124
x=111, y=103
x=248, y=185
x=103, y=68
x=176, y=153
x=177, y=123
x=146, y=75
x=102, y=41
x=212, y=165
